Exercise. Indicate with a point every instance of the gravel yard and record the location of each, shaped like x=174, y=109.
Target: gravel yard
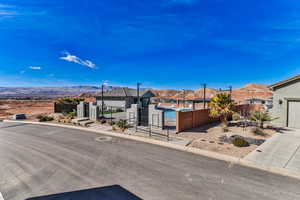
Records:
x=208, y=138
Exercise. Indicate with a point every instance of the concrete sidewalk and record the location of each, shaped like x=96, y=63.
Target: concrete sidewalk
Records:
x=282, y=151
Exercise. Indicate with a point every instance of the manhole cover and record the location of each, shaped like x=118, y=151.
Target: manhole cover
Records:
x=103, y=139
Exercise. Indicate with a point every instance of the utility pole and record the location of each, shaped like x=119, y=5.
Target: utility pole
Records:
x=230, y=90
x=204, y=95
x=102, y=104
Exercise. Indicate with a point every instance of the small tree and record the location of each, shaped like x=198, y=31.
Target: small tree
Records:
x=261, y=117
x=222, y=106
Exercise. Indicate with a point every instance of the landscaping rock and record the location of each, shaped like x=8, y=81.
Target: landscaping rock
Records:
x=77, y=120
x=230, y=138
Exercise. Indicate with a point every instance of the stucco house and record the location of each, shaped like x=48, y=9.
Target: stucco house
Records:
x=266, y=103
x=123, y=97
x=286, y=102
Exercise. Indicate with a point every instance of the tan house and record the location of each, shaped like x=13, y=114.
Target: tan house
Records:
x=286, y=102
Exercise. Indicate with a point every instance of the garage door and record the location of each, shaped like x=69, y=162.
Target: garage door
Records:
x=294, y=114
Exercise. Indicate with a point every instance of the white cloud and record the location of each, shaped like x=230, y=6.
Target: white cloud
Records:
x=7, y=10
x=35, y=67
x=5, y=6
x=72, y=58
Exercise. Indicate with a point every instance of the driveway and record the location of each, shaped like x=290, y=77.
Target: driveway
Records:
x=49, y=163
x=282, y=151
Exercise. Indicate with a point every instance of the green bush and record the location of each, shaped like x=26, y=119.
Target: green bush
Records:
x=44, y=118
x=71, y=115
x=240, y=142
x=111, y=123
x=122, y=124
x=261, y=117
x=70, y=100
x=119, y=110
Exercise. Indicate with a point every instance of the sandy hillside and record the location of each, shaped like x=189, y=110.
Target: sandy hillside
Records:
x=249, y=91
x=29, y=107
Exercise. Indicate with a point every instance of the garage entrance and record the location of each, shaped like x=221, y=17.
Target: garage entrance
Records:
x=294, y=114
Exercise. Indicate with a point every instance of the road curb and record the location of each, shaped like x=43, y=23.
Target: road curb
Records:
x=230, y=159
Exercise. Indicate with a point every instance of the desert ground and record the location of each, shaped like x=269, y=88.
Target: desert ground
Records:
x=29, y=107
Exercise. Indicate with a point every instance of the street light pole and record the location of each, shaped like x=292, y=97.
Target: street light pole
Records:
x=183, y=98
x=138, y=93
x=230, y=90
x=102, y=104
x=204, y=95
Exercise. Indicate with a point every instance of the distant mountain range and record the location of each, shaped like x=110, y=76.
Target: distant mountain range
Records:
x=241, y=94
x=46, y=92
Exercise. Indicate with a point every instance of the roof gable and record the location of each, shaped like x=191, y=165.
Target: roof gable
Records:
x=127, y=92
x=284, y=83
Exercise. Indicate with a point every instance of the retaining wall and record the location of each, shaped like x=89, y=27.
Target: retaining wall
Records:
x=64, y=108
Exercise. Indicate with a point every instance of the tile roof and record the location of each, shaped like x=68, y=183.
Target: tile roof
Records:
x=123, y=92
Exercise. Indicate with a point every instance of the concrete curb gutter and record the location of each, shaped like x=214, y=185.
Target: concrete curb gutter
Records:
x=230, y=159
x=1, y=196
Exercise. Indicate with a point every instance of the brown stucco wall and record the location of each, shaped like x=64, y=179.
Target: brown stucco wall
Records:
x=193, y=119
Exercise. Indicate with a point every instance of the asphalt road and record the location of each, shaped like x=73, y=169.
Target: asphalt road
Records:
x=43, y=162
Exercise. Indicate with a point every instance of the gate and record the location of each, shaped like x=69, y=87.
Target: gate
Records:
x=143, y=116
x=150, y=129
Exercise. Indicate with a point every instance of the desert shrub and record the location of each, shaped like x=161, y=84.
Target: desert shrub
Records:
x=240, y=142
x=122, y=124
x=119, y=110
x=70, y=100
x=44, y=118
x=236, y=117
x=111, y=123
x=261, y=117
x=71, y=115
x=258, y=131
x=225, y=129
x=103, y=121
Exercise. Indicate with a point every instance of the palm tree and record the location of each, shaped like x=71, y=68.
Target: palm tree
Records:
x=222, y=106
x=261, y=117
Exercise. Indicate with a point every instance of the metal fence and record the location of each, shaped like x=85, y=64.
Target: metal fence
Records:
x=113, y=114
x=150, y=130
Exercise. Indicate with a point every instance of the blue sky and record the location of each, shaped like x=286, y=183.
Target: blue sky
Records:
x=161, y=43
